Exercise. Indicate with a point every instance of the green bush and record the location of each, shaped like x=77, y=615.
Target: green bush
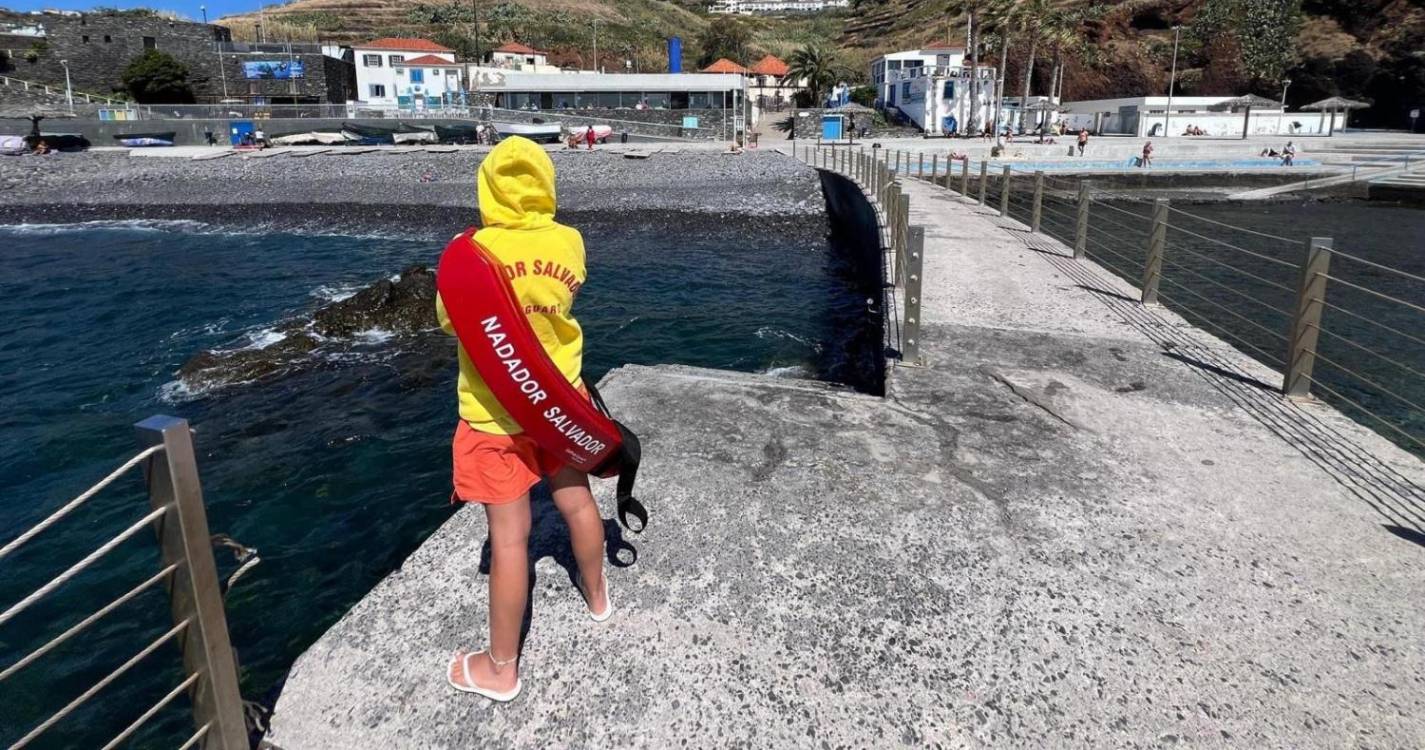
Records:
x=157, y=78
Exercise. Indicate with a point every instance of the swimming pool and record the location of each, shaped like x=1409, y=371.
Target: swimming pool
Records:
x=1119, y=165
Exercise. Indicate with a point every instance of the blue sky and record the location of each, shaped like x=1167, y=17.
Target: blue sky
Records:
x=190, y=8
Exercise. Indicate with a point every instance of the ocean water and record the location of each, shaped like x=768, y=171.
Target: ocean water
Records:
x=336, y=470
x=1233, y=269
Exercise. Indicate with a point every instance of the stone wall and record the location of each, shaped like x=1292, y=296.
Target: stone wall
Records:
x=809, y=127
x=99, y=46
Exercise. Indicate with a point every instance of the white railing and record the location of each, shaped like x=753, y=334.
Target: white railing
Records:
x=59, y=90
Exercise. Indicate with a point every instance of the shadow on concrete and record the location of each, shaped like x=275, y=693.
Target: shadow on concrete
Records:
x=1107, y=293
x=1406, y=534
x=549, y=537
x=1394, y=496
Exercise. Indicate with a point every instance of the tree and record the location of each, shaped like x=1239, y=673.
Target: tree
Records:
x=1033, y=16
x=817, y=67
x=978, y=15
x=725, y=36
x=157, y=78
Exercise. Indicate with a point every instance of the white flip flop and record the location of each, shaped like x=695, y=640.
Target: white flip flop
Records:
x=493, y=695
x=608, y=597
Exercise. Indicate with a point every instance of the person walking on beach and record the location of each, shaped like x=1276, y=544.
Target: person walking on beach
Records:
x=1083, y=140
x=1147, y=160
x=589, y=137
x=494, y=463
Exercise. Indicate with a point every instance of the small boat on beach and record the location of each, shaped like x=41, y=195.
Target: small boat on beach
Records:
x=539, y=132
x=463, y=134
x=312, y=138
x=145, y=140
x=376, y=135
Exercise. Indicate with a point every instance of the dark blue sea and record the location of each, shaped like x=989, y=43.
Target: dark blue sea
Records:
x=338, y=468
x=1233, y=269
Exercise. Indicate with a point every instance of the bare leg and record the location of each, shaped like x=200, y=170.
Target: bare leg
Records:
x=509, y=592
x=586, y=532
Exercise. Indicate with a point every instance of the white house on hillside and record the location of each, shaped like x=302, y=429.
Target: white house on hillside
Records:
x=394, y=71
x=931, y=88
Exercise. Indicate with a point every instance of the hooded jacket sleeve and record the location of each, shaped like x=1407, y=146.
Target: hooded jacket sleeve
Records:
x=442, y=316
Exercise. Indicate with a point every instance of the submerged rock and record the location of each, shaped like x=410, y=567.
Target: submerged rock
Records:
x=399, y=307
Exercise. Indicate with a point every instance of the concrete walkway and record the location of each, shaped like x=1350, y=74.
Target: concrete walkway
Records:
x=1083, y=523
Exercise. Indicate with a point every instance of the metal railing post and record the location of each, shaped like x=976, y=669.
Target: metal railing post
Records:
x=1004, y=193
x=1306, y=323
x=194, y=596
x=964, y=177
x=1157, y=241
x=934, y=166
x=920, y=165
x=1037, y=214
x=915, y=263
x=984, y=180
x=1081, y=226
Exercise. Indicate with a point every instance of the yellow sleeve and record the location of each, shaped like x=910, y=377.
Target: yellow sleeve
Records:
x=442, y=316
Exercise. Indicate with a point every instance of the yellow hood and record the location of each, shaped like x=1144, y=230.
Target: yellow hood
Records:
x=516, y=184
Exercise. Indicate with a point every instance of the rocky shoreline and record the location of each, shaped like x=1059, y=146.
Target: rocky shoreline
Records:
x=406, y=189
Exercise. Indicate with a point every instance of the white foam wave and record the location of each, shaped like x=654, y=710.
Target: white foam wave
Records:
x=788, y=371
x=373, y=336
x=144, y=225
x=263, y=338
x=335, y=292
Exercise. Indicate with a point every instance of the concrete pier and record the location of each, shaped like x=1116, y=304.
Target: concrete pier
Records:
x=1082, y=523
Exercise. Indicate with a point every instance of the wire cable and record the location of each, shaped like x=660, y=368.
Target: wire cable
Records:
x=1232, y=226
x=1235, y=269
x=1373, y=292
x=1231, y=246
x=1188, y=310
x=1372, y=414
x=1373, y=264
x=1396, y=331
x=1367, y=381
x=1226, y=309
x=1237, y=292
x=1367, y=350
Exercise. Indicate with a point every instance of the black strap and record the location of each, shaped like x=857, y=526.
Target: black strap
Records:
x=630, y=453
x=628, y=457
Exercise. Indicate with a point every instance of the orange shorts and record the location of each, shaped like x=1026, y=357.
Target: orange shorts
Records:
x=495, y=469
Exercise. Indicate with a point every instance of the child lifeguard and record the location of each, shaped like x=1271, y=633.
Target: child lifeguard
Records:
x=494, y=463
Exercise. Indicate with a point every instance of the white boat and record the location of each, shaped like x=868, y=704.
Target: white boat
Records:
x=545, y=132
x=419, y=136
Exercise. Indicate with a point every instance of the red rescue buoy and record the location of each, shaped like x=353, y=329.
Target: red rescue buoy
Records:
x=497, y=337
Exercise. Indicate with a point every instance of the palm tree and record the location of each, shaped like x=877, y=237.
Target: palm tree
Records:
x=979, y=14
x=817, y=67
x=1032, y=16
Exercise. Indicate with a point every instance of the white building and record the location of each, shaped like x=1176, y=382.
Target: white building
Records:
x=383, y=77
x=774, y=7
x=931, y=87
x=1148, y=116
x=517, y=57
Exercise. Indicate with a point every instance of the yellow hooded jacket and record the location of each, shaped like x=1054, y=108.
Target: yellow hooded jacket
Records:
x=543, y=260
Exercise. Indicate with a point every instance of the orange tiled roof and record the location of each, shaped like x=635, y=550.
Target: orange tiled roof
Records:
x=770, y=65
x=724, y=65
x=517, y=49
x=401, y=44
x=425, y=60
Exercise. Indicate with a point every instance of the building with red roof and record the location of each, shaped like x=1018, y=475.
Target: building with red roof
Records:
x=724, y=65
x=406, y=72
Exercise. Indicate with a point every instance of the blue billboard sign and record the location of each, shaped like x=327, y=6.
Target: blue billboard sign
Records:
x=280, y=70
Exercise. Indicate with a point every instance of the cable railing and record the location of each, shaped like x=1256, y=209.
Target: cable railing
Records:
x=1262, y=290
x=188, y=573
x=902, y=244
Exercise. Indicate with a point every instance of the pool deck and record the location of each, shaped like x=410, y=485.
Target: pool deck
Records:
x=1082, y=523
